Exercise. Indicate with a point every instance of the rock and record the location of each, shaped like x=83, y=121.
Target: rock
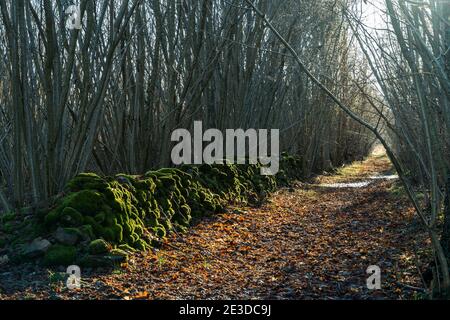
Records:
x=36, y=248
x=28, y=218
x=59, y=255
x=28, y=211
x=65, y=236
x=99, y=246
x=123, y=180
x=102, y=261
x=4, y=260
x=118, y=255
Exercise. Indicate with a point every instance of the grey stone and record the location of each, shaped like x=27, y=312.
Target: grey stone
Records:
x=4, y=260
x=38, y=247
x=66, y=237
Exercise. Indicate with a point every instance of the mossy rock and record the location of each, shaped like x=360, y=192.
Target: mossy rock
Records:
x=126, y=248
x=7, y=217
x=118, y=231
x=100, y=217
x=68, y=236
x=86, y=232
x=9, y=227
x=141, y=245
x=87, y=202
x=99, y=246
x=71, y=217
x=87, y=181
x=119, y=252
x=109, y=234
x=160, y=231
x=59, y=255
x=52, y=217
x=97, y=261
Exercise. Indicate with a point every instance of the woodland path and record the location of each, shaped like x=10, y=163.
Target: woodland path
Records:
x=309, y=242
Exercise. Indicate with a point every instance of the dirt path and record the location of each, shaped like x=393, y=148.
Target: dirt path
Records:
x=306, y=243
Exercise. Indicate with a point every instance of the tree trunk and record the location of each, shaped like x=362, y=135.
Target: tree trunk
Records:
x=445, y=237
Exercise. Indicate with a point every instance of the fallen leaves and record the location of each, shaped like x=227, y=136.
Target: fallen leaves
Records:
x=144, y=295
x=304, y=243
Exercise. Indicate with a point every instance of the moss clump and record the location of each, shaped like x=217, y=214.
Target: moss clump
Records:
x=99, y=246
x=71, y=217
x=7, y=217
x=126, y=248
x=87, y=202
x=119, y=253
x=93, y=261
x=160, y=231
x=89, y=181
x=52, y=217
x=86, y=232
x=59, y=255
x=9, y=227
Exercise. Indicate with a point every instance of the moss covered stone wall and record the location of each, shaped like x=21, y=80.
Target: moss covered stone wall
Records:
x=104, y=218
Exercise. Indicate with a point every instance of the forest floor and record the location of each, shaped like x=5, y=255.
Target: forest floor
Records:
x=312, y=241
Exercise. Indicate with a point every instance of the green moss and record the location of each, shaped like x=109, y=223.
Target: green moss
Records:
x=119, y=252
x=141, y=245
x=7, y=217
x=87, y=202
x=96, y=227
x=52, y=217
x=160, y=231
x=109, y=234
x=59, y=255
x=134, y=238
x=87, y=181
x=93, y=261
x=118, y=231
x=87, y=232
x=75, y=231
x=8, y=227
x=126, y=247
x=89, y=221
x=99, y=218
x=99, y=246
x=71, y=217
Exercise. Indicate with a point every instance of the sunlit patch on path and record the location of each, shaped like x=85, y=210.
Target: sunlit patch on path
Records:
x=361, y=184
x=384, y=177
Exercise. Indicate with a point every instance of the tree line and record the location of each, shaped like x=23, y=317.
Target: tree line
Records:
x=107, y=97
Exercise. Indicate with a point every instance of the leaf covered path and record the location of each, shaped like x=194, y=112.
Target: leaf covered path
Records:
x=307, y=242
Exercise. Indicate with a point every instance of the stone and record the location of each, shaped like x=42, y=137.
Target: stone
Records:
x=94, y=261
x=4, y=260
x=66, y=237
x=36, y=248
x=98, y=246
x=60, y=255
